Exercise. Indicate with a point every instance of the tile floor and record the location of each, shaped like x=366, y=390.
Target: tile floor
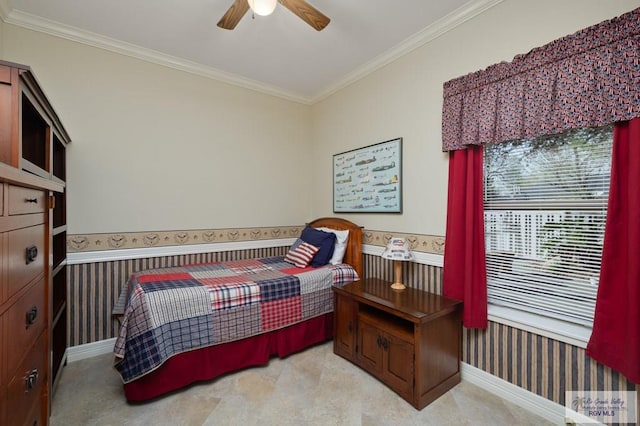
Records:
x=313, y=387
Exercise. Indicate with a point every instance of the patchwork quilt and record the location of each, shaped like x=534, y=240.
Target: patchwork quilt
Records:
x=174, y=310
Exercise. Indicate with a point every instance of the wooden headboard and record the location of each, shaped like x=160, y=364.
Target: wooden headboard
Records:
x=353, y=254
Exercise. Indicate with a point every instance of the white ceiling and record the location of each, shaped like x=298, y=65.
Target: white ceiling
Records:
x=278, y=54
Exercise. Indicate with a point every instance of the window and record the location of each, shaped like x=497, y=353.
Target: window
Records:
x=545, y=204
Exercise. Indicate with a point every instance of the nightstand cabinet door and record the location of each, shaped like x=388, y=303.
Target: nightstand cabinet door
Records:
x=398, y=365
x=370, y=351
x=344, y=343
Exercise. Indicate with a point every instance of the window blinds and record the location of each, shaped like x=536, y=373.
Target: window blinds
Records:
x=545, y=204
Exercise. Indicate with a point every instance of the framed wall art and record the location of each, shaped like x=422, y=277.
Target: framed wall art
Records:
x=369, y=179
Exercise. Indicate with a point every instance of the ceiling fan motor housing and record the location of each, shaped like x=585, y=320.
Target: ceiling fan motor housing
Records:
x=262, y=7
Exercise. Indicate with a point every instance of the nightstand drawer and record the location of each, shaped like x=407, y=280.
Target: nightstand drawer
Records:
x=26, y=200
x=25, y=253
x=24, y=322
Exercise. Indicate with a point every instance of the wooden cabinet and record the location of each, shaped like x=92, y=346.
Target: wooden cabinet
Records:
x=410, y=340
x=32, y=247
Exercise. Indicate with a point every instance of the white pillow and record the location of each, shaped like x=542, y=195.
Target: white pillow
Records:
x=340, y=247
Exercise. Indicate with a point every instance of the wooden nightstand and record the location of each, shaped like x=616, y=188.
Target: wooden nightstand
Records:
x=410, y=340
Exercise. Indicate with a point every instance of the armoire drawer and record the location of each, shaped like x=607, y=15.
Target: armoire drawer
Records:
x=25, y=389
x=3, y=373
x=24, y=322
x=25, y=253
x=37, y=416
x=4, y=287
x=26, y=200
x=3, y=407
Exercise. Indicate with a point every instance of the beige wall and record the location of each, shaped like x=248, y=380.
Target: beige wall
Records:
x=405, y=99
x=1, y=38
x=159, y=149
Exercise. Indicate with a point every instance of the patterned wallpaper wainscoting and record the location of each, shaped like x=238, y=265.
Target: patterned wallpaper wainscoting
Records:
x=538, y=364
x=94, y=288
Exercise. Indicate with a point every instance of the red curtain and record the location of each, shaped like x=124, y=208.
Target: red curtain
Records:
x=465, y=274
x=615, y=339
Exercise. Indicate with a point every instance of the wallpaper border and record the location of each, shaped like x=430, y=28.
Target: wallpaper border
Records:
x=82, y=243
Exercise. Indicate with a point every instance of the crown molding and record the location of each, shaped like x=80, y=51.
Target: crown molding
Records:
x=433, y=31
x=5, y=9
x=68, y=32
x=57, y=29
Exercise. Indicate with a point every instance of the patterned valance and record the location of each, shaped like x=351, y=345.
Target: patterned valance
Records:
x=590, y=78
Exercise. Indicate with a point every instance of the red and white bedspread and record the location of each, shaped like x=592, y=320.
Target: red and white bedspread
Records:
x=174, y=310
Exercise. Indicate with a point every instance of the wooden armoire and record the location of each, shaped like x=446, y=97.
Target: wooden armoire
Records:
x=33, y=268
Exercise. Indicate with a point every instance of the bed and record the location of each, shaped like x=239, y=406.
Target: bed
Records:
x=196, y=322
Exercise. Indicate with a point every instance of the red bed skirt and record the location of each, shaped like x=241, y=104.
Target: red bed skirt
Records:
x=207, y=363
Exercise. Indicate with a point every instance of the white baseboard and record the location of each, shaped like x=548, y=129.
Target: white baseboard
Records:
x=89, y=350
x=547, y=409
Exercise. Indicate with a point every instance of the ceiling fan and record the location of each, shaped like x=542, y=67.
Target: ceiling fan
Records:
x=300, y=8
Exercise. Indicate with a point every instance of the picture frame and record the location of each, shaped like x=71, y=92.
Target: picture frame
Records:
x=369, y=179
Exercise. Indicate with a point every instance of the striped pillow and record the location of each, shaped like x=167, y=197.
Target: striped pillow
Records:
x=301, y=255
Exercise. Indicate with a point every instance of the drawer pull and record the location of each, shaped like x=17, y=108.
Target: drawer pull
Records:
x=31, y=380
x=31, y=200
x=385, y=344
x=379, y=341
x=31, y=254
x=32, y=314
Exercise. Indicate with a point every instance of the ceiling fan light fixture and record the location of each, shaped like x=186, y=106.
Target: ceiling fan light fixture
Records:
x=262, y=7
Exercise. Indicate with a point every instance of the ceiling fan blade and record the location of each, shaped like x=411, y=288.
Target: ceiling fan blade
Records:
x=234, y=14
x=307, y=13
